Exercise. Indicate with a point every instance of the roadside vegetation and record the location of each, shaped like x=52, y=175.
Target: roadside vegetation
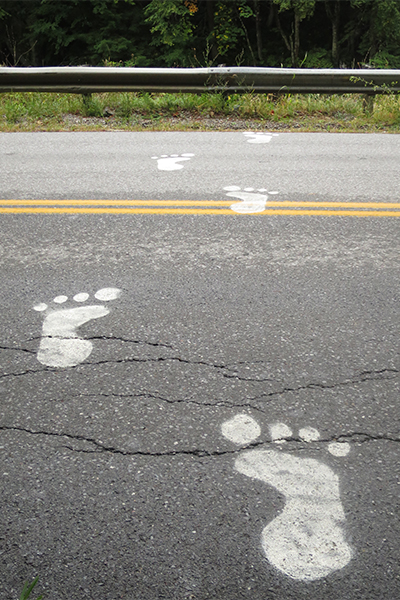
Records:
x=194, y=33
x=199, y=33
x=207, y=112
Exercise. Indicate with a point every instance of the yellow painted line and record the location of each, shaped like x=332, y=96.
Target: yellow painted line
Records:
x=205, y=211
x=116, y=202
x=307, y=204
x=270, y=204
x=120, y=211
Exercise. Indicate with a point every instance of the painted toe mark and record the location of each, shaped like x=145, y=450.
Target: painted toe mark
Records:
x=40, y=307
x=280, y=432
x=309, y=434
x=339, y=448
x=107, y=294
x=241, y=429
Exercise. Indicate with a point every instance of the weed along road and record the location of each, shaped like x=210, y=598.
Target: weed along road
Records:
x=199, y=396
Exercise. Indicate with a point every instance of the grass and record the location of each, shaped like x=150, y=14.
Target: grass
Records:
x=27, y=590
x=32, y=111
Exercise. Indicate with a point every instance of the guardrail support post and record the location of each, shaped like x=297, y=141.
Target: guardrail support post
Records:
x=368, y=103
x=87, y=98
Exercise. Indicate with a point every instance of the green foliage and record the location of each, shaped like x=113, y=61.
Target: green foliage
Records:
x=319, y=58
x=303, y=8
x=91, y=106
x=381, y=21
x=84, y=32
x=136, y=111
x=170, y=22
x=27, y=590
x=308, y=33
x=171, y=28
x=385, y=60
x=229, y=30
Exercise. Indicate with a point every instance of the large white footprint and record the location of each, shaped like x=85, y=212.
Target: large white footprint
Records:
x=252, y=202
x=60, y=345
x=171, y=163
x=307, y=540
x=259, y=137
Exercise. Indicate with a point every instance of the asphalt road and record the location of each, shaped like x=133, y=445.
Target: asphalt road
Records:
x=200, y=405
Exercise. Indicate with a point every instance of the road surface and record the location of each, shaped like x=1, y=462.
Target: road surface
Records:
x=199, y=396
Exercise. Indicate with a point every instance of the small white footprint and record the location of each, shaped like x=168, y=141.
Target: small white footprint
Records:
x=170, y=163
x=252, y=201
x=60, y=345
x=306, y=541
x=259, y=137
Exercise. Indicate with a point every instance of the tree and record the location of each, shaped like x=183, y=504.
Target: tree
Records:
x=301, y=10
x=48, y=32
x=333, y=12
x=230, y=31
x=193, y=32
x=15, y=47
x=381, y=20
x=172, y=27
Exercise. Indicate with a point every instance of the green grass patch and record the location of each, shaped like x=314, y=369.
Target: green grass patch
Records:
x=27, y=590
x=33, y=111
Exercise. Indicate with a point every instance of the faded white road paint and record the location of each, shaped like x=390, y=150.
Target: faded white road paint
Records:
x=339, y=448
x=253, y=202
x=60, y=345
x=81, y=297
x=309, y=434
x=242, y=429
x=280, y=432
x=171, y=162
x=259, y=137
x=306, y=541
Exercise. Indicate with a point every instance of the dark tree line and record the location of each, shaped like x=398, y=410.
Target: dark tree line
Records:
x=190, y=33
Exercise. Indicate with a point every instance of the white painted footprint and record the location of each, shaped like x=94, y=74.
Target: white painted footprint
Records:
x=259, y=137
x=171, y=163
x=306, y=541
x=253, y=202
x=60, y=345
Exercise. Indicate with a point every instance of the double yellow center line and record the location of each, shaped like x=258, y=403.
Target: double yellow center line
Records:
x=199, y=207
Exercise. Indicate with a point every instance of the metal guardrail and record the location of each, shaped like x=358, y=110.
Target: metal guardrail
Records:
x=86, y=80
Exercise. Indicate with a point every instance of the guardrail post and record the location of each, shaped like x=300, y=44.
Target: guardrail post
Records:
x=368, y=103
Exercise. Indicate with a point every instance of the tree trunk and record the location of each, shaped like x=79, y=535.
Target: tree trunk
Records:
x=284, y=36
x=210, y=4
x=257, y=13
x=334, y=16
x=296, y=49
x=248, y=41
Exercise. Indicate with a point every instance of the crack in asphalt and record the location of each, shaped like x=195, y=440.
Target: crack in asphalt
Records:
x=110, y=337
x=110, y=449
x=137, y=342
x=152, y=396
x=18, y=349
x=180, y=360
x=364, y=376
x=354, y=437
x=27, y=372
x=382, y=374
